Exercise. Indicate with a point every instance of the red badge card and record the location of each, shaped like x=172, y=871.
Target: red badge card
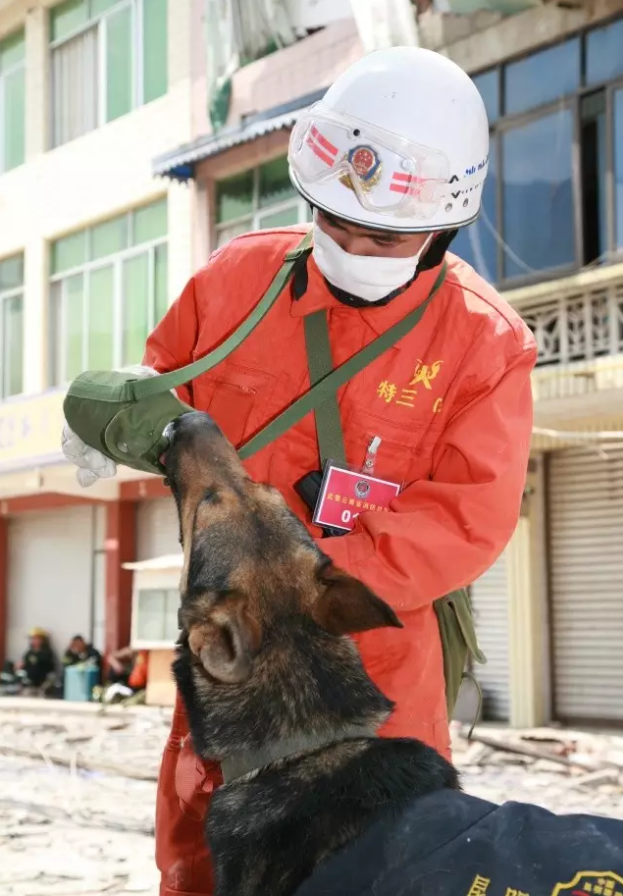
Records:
x=345, y=494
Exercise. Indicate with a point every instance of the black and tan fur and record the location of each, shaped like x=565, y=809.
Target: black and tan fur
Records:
x=272, y=687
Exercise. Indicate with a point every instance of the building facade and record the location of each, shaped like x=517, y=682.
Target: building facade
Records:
x=92, y=246
x=116, y=186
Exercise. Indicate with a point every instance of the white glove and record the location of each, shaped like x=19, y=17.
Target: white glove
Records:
x=92, y=464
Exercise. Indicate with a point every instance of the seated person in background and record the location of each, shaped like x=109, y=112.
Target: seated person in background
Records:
x=81, y=652
x=38, y=665
x=9, y=679
x=120, y=664
x=127, y=674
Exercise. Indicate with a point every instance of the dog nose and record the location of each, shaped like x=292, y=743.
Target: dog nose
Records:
x=169, y=431
x=167, y=434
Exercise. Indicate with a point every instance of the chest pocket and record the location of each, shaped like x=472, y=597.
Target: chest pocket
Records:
x=406, y=450
x=238, y=398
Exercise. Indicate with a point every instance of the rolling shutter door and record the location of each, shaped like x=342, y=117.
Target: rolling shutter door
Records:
x=157, y=529
x=51, y=576
x=489, y=596
x=586, y=562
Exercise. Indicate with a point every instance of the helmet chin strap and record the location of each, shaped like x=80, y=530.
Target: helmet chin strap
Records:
x=432, y=257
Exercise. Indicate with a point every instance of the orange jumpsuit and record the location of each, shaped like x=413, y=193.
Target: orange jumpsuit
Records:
x=452, y=405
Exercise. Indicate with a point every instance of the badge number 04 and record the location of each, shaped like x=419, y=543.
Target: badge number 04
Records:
x=345, y=494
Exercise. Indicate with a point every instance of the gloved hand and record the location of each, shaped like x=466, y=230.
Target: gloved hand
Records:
x=92, y=464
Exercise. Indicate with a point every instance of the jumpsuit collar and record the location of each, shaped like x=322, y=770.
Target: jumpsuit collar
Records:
x=317, y=297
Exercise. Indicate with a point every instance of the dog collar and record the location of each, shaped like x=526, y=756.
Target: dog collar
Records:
x=246, y=761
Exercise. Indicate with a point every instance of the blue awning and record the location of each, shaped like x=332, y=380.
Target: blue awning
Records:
x=180, y=163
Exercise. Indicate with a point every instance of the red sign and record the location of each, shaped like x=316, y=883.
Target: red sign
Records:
x=346, y=494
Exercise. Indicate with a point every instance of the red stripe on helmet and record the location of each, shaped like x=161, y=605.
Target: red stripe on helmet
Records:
x=406, y=183
x=326, y=144
x=316, y=149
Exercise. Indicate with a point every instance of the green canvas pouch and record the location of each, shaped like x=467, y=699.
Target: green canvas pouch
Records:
x=459, y=644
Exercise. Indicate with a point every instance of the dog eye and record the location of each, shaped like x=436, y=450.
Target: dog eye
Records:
x=210, y=496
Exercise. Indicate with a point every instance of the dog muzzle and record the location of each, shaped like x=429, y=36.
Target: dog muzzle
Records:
x=104, y=411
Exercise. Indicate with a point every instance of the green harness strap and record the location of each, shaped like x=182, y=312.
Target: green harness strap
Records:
x=326, y=382
x=175, y=378
x=320, y=363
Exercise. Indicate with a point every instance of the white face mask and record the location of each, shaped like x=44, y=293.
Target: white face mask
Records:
x=368, y=277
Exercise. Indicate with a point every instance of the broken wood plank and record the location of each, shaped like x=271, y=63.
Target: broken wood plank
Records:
x=78, y=761
x=534, y=753
x=56, y=814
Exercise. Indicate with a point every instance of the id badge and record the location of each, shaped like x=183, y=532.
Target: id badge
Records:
x=346, y=493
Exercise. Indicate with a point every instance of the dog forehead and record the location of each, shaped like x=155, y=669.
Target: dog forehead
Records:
x=271, y=566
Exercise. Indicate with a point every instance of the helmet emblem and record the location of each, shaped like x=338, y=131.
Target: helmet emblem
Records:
x=366, y=163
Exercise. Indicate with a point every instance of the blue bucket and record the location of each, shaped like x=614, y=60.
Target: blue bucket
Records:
x=79, y=683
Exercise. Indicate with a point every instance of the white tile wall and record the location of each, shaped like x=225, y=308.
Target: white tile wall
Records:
x=100, y=174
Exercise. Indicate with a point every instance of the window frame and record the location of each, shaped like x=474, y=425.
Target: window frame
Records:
x=503, y=123
x=294, y=202
x=3, y=74
x=99, y=24
x=6, y=295
x=139, y=643
x=613, y=253
x=516, y=122
x=57, y=355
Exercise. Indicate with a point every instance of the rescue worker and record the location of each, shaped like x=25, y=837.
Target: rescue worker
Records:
x=79, y=651
x=393, y=162
x=38, y=664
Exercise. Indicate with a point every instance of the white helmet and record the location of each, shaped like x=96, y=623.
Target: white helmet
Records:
x=399, y=142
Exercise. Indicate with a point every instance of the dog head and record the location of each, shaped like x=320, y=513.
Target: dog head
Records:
x=262, y=654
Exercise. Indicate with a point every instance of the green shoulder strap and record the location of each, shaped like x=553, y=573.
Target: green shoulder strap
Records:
x=144, y=388
x=323, y=391
x=320, y=363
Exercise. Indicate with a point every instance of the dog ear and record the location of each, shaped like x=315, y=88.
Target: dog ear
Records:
x=347, y=606
x=227, y=642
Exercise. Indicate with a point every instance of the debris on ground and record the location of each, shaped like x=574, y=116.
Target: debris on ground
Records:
x=77, y=797
x=78, y=789
x=560, y=769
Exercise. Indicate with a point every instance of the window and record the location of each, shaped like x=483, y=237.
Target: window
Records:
x=11, y=326
x=156, y=616
x=553, y=199
x=108, y=290
x=601, y=144
x=593, y=147
x=257, y=200
x=542, y=77
x=12, y=101
x=108, y=57
x=604, y=59
x=537, y=195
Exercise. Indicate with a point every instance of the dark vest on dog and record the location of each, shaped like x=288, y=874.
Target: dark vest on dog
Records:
x=452, y=844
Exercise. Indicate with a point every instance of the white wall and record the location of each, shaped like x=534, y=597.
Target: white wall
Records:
x=157, y=529
x=94, y=177
x=51, y=581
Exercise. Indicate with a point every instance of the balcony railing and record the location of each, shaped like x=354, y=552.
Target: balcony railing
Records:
x=577, y=326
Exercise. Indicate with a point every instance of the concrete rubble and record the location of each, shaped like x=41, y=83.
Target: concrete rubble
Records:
x=71, y=830
x=68, y=831
x=569, y=771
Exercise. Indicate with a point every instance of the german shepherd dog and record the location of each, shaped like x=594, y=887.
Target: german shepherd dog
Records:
x=313, y=802
x=273, y=689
